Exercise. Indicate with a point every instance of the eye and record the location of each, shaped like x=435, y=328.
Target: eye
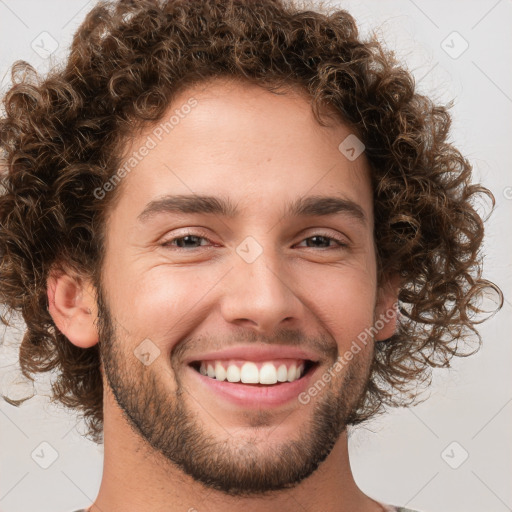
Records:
x=324, y=238
x=189, y=241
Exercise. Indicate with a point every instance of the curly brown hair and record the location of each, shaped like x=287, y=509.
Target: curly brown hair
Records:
x=62, y=137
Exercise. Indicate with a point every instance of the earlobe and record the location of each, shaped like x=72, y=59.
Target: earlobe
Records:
x=386, y=311
x=72, y=306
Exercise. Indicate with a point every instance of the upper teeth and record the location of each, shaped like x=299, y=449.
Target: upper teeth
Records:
x=249, y=373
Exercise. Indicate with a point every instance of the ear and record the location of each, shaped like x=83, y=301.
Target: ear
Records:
x=386, y=310
x=72, y=305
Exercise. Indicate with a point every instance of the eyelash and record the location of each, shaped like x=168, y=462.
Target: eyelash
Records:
x=167, y=244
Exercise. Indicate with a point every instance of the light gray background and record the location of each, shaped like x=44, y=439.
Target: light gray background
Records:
x=398, y=458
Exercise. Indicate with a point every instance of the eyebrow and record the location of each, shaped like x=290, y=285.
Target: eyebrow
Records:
x=310, y=206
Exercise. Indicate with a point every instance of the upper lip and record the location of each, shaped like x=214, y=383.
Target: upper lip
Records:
x=255, y=353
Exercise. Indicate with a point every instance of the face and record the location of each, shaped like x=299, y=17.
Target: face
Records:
x=256, y=292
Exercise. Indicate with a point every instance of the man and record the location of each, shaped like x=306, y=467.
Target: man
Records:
x=236, y=230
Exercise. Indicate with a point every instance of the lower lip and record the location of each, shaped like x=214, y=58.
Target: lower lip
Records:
x=249, y=396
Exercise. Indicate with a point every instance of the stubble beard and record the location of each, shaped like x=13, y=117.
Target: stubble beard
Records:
x=236, y=467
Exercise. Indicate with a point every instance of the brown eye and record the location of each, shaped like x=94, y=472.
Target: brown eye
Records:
x=188, y=241
x=324, y=240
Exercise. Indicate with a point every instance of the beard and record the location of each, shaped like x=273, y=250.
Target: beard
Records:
x=237, y=467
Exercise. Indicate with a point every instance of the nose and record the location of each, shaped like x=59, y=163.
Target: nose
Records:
x=261, y=295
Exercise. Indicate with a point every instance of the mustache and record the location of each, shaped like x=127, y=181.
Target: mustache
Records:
x=289, y=337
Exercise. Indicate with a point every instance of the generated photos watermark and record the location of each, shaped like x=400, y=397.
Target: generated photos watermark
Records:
x=151, y=142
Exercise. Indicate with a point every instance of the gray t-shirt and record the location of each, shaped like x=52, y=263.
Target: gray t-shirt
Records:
x=389, y=508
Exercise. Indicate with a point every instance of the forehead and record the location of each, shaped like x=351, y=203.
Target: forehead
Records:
x=242, y=142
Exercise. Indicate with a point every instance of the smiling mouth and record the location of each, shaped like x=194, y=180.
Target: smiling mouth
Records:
x=251, y=373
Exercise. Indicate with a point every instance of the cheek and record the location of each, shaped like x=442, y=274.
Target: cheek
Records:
x=342, y=300
x=161, y=303
x=166, y=303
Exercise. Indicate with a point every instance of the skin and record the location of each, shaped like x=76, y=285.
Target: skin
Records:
x=261, y=150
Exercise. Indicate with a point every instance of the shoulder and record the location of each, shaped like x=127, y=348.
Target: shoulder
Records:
x=393, y=508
